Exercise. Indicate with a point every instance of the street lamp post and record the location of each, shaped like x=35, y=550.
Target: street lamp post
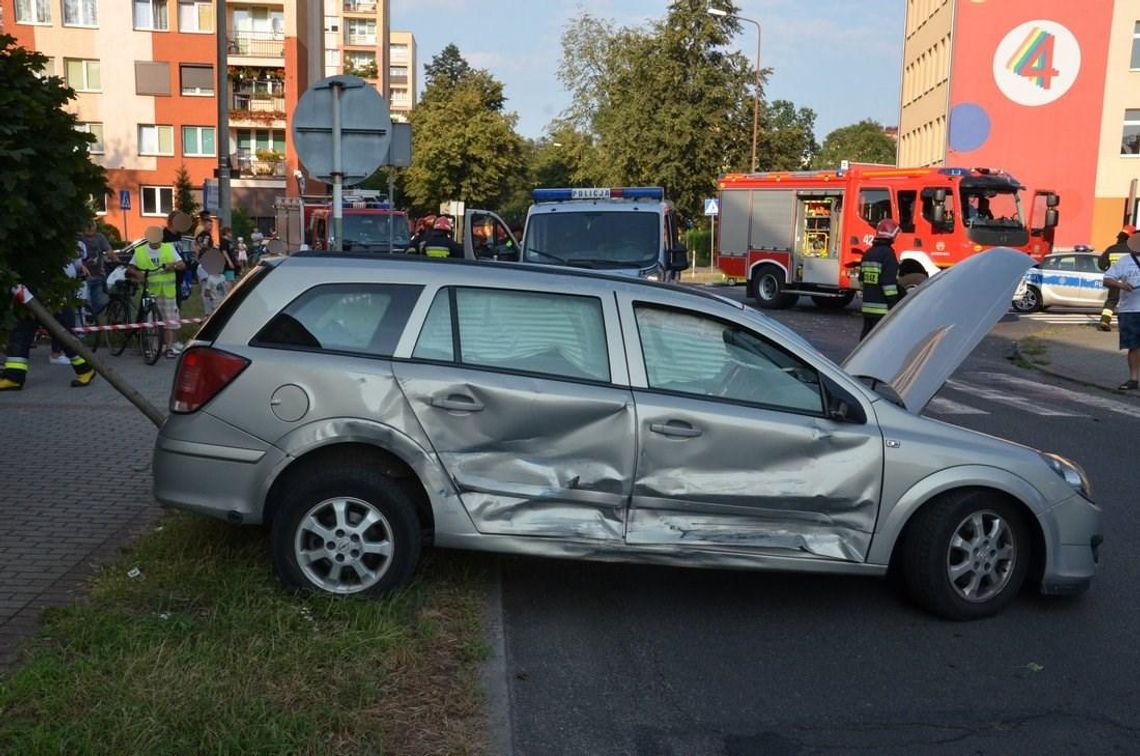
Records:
x=756, y=93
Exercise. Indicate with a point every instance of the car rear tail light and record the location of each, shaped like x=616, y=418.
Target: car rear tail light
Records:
x=202, y=373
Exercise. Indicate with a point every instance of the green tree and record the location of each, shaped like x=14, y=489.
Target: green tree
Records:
x=463, y=146
x=667, y=106
x=787, y=137
x=863, y=142
x=184, y=192
x=46, y=179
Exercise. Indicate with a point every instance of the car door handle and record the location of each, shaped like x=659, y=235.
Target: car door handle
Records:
x=456, y=403
x=675, y=429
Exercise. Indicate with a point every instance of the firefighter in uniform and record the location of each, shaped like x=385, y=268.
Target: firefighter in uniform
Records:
x=1108, y=258
x=438, y=241
x=879, y=272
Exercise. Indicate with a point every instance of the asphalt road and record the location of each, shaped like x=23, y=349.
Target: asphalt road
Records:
x=620, y=659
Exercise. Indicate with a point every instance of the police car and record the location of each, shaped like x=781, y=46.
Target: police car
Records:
x=1067, y=279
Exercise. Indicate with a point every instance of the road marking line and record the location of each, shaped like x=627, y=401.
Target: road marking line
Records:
x=1020, y=402
x=1057, y=392
x=940, y=406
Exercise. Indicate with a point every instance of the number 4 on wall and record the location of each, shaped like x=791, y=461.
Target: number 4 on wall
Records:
x=1034, y=58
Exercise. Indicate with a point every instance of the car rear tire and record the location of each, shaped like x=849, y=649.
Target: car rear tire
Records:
x=768, y=289
x=1030, y=301
x=346, y=530
x=966, y=556
x=834, y=303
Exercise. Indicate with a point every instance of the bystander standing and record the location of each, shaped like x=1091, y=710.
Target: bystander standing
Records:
x=1124, y=277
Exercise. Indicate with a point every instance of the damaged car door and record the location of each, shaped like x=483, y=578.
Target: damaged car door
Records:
x=742, y=445
x=513, y=388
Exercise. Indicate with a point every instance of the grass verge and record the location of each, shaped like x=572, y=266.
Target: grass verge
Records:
x=203, y=651
x=1030, y=352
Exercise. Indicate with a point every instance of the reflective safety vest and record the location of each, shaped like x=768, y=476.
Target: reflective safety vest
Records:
x=162, y=283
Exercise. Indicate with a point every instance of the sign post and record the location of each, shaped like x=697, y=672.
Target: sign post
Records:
x=342, y=130
x=124, y=205
x=712, y=210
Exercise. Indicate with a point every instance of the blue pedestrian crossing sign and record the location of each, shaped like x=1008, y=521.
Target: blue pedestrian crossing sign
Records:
x=124, y=199
x=712, y=207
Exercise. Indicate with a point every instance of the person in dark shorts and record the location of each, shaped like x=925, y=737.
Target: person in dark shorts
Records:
x=1124, y=276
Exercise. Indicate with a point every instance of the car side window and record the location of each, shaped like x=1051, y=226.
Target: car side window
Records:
x=556, y=334
x=1067, y=262
x=1087, y=264
x=699, y=355
x=358, y=318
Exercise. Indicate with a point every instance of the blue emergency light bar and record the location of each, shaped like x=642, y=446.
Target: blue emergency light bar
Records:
x=599, y=192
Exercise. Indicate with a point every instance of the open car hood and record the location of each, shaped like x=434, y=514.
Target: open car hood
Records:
x=923, y=340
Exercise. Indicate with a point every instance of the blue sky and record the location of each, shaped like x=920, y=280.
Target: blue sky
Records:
x=842, y=58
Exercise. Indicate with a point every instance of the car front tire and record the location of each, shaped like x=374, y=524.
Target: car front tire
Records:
x=1030, y=301
x=966, y=556
x=346, y=530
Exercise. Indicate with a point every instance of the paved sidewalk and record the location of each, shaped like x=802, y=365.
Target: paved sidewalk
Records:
x=76, y=484
x=1077, y=352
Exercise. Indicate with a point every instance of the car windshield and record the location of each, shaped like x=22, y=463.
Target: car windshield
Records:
x=994, y=208
x=369, y=232
x=594, y=239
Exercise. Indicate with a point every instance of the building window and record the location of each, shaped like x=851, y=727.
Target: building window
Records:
x=83, y=75
x=399, y=53
x=157, y=200
x=400, y=96
x=252, y=140
x=1130, y=141
x=98, y=203
x=96, y=130
x=152, y=78
x=398, y=72
x=156, y=140
x=1136, y=47
x=150, y=15
x=359, y=31
x=197, y=81
x=198, y=141
x=195, y=16
x=80, y=13
x=33, y=11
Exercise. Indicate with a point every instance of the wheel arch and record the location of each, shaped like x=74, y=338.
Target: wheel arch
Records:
x=891, y=533
x=753, y=271
x=417, y=469
x=913, y=261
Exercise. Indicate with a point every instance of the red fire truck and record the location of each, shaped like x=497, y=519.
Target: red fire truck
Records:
x=370, y=223
x=804, y=232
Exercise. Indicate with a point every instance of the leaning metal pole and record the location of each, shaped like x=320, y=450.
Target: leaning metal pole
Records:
x=222, y=140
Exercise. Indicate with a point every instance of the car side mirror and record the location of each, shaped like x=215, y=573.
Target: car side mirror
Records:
x=677, y=259
x=1052, y=218
x=1052, y=200
x=940, y=196
x=939, y=213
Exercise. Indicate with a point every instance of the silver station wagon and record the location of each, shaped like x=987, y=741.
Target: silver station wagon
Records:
x=368, y=407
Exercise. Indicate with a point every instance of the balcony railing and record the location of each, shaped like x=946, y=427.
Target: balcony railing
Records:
x=257, y=44
x=248, y=166
x=360, y=39
x=256, y=103
x=360, y=6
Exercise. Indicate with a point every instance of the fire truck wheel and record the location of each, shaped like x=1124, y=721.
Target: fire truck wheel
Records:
x=910, y=280
x=834, y=303
x=768, y=289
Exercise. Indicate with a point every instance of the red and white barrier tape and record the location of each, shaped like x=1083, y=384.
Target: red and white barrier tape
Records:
x=130, y=326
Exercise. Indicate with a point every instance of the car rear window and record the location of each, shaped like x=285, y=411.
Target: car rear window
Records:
x=353, y=318
x=221, y=315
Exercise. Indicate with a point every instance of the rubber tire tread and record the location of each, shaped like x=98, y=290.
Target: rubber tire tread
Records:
x=924, y=553
x=781, y=301
x=117, y=313
x=1036, y=307
x=148, y=314
x=354, y=476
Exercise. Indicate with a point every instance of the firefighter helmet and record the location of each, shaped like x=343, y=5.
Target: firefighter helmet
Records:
x=887, y=229
x=1129, y=229
x=442, y=223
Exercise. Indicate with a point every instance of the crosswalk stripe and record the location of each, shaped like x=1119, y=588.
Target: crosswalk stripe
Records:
x=1057, y=392
x=941, y=406
x=1001, y=397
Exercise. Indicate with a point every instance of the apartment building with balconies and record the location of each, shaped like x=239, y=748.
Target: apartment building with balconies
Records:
x=145, y=76
x=358, y=41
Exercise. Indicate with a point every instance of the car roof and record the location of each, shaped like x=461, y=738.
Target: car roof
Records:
x=519, y=272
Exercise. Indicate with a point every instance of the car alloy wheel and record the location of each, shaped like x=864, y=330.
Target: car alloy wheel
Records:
x=1029, y=301
x=981, y=556
x=343, y=545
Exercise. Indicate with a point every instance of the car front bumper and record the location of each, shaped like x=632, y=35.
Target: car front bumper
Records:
x=1073, y=540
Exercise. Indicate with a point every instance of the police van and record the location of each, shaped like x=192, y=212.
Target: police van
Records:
x=624, y=230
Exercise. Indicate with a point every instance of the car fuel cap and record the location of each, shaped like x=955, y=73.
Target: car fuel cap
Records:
x=289, y=403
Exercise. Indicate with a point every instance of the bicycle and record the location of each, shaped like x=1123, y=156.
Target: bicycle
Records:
x=119, y=313
x=86, y=317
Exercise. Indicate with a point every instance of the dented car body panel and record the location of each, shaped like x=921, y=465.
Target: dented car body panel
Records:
x=574, y=414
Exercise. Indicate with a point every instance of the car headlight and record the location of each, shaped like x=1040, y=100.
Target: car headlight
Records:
x=1071, y=473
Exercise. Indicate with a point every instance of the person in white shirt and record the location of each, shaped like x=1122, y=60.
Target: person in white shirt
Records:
x=1124, y=275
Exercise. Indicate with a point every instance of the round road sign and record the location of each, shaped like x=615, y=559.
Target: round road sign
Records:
x=365, y=127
